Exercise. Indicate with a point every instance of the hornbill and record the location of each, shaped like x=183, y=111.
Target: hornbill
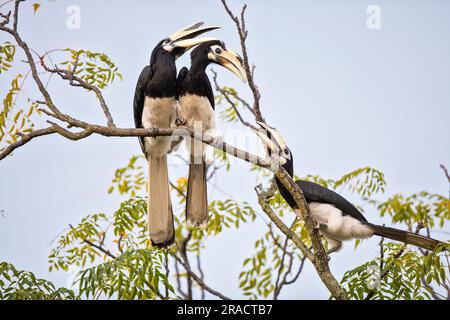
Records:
x=196, y=110
x=155, y=107
x=337, y=218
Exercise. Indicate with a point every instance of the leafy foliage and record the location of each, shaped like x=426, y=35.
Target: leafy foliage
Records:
x=136, y=274
x=427, y=208
x=228, y=112
x=129, y=179
x=365, y=181
x=7, y=51
x=123, y=262
x=403, y=274
x=94, y=68
x=15, y=121
x=73, y=248
x=23, y=285
x=223, y=215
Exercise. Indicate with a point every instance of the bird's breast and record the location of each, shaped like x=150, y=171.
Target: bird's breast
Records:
x=193, y=108
x=159, y=112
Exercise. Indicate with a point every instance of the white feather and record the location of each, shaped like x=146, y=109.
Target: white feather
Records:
x=339, y=226
x=158, y=113
x=194, y=108
x=199, y=115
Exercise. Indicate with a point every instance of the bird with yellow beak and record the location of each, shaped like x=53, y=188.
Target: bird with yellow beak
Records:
x=155, y=107
x=196, y=109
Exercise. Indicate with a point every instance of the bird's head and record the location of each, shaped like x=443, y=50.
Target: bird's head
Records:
x=215, y=51
x=275, y=146
x=184, y=39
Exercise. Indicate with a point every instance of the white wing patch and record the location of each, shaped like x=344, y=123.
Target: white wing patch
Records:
x=338, y=226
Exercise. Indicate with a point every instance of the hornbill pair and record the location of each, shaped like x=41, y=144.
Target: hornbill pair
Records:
x=160, y=98
x=338, y=220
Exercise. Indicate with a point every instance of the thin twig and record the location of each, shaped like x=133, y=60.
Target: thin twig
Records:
x=243, y=33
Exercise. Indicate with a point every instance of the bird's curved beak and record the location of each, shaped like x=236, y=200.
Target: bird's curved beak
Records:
x=271, y=138
x=230, y=60
x=184, y=38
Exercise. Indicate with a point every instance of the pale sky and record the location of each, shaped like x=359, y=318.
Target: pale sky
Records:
x=342, y=95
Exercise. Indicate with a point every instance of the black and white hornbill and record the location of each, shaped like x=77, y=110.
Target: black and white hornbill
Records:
x=338, y=219
x=196, y=110
x=155, y=107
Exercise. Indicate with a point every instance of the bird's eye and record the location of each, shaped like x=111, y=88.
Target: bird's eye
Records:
x=218, y=50
x=166, y=41
x=286, y=152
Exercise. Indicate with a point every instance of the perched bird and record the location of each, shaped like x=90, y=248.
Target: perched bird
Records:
x=337, y=218
x=196, y=110
x=155, y=107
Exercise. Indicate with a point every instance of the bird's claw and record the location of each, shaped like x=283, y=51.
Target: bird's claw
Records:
x=179, y=122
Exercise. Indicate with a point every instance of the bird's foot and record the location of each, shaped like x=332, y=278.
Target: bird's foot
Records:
x=180, y=122
x=335, y=245
x=321, y=226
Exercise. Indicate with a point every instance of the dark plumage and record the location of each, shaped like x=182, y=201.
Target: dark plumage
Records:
x=196, y=108
x=330, y=209
x=154, y=106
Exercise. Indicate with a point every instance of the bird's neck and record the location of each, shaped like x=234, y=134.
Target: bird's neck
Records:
x=289, y=167
x=163, y=80
x=198, y=67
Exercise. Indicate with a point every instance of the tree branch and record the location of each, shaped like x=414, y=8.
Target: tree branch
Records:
x=226, y=94
x=71, y=77
x=200, y=282
x=243, y=33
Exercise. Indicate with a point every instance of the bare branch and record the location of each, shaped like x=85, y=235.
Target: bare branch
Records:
x=263, y=202
x=25, y=138
x=243, y=33
x=78, y=82
x=445, y=172
x=98, y=247
x=226, y=94
x=182, y=248
x=200, y=282
x=202, y=275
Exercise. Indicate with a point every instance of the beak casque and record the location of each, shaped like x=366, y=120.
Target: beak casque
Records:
x=275, y=143
x=189, y=43
x=191, y=31
x=231, y=60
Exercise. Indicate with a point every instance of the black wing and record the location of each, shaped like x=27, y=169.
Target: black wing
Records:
x=139, y=99
x=314, y=192
x=186, y=85
x=181, y=76
x=209, y=92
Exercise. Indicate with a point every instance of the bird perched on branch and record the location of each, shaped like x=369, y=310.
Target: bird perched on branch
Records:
x=196, y=109
x=337, y=218
x=155, y=107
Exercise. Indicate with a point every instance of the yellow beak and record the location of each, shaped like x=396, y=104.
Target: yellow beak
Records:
x=232, y=61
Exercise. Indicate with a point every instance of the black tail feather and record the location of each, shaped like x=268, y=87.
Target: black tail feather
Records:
x=405, y=236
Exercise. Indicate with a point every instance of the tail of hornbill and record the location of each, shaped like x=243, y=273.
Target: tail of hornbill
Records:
x=155, y=107
x=338, y=219
x=196, y=109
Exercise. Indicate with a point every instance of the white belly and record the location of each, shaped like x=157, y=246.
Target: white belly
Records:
x=339, y=226
x=197, y=112
x=158, y=113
